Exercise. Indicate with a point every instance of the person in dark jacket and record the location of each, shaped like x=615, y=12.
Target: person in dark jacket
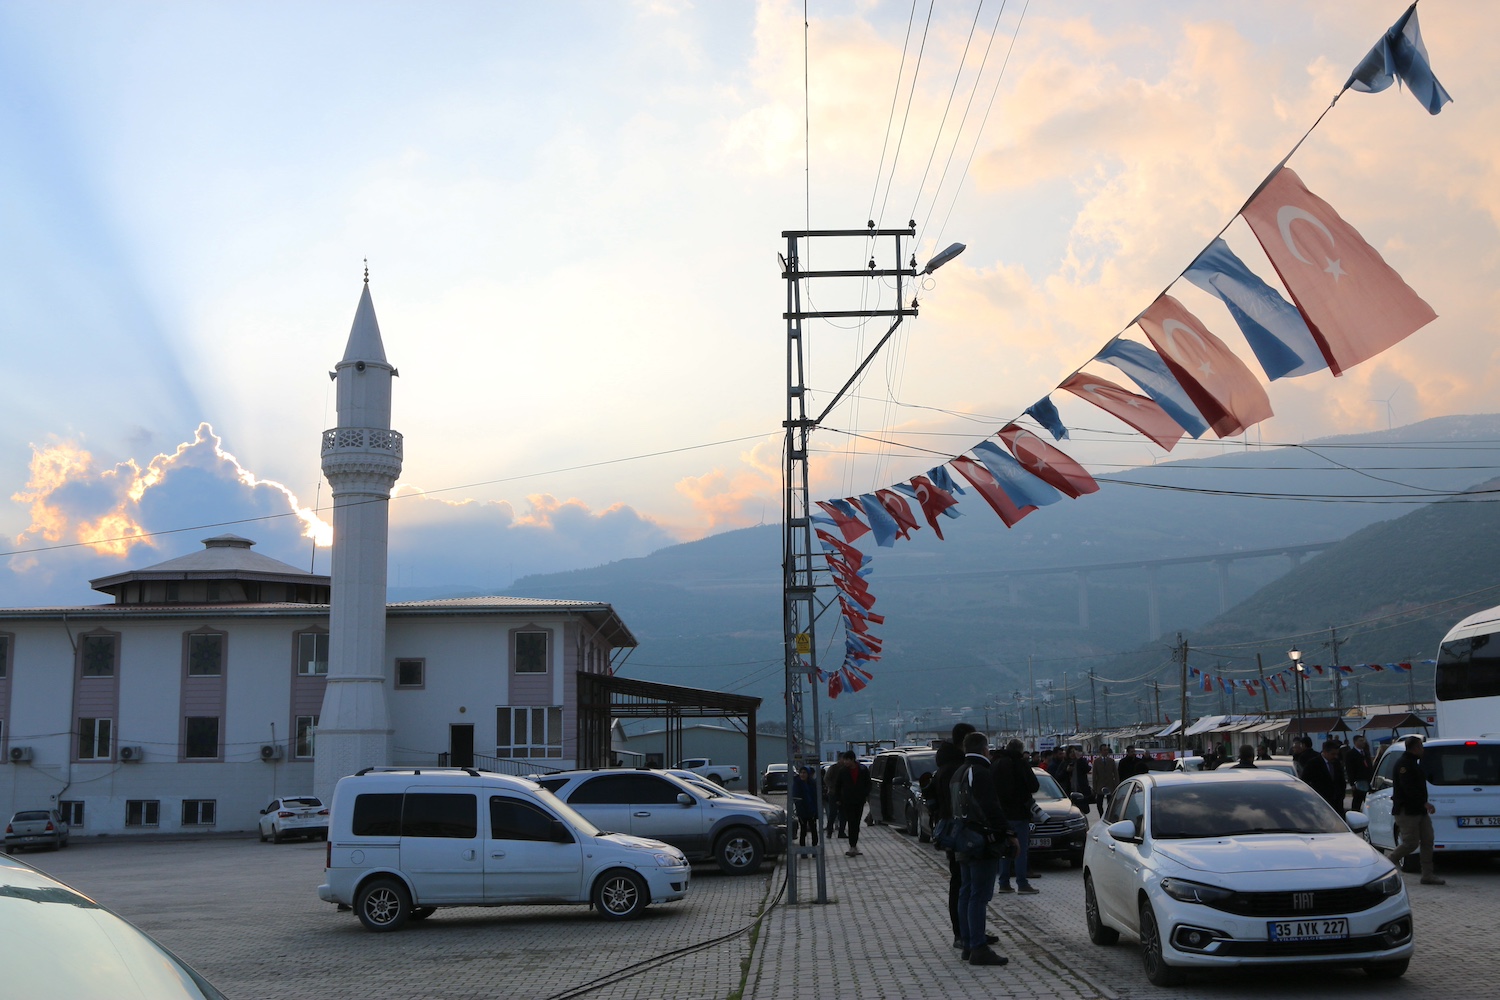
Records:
x=973, y=797
x=1016, y=783
x=1079, y=770
x=1412, y=811
x=950, y=755
x=803, y=794
x=1106, y=777
x=1332, y=759
x=1133, y=763
x=1057, y=766
x=1247, y=756
x=1358, y=768
x=851, y=789
x=1313, y=769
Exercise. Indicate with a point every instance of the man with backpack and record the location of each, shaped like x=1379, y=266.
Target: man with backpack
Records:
x=973, y=799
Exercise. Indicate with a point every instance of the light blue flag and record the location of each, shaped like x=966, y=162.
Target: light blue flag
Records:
x=943, y=480
x=1146, y=368
x=881, y=522
x=1044, y=412
x=1275, y=329
x=1021, y=486
x=1401, y=55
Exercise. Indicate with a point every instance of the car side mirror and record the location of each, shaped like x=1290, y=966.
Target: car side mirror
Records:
x=1079, y=799
x=684, y=799
x=560, y=832
x=1358, y=821
x=1378, y=782
x=1123, y=830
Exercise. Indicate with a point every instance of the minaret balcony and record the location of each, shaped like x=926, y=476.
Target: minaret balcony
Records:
x=366, y=440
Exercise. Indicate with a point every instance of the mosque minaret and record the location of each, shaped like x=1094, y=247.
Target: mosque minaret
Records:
x=362, y=460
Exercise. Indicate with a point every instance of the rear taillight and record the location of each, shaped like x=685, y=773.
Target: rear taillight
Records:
x=50, y=827
x=322, y=812
x=285, y=815
x=9, y=828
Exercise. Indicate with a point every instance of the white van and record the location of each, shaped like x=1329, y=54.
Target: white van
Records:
x=404, y=841
x=1463, y=786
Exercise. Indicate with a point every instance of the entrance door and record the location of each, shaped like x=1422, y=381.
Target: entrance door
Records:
x=461, y=745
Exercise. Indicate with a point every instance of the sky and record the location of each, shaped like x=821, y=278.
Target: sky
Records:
x=571, y=213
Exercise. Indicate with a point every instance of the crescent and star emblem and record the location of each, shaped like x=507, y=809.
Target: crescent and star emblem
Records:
x=1169, y=330
x=1285, y=216
x=1036, y=457
x=1103, y=390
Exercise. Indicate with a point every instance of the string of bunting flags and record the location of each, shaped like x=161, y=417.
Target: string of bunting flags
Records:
x=1347, y=305
x=1284, y=680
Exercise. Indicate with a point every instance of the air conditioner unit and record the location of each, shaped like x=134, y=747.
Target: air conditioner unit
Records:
x=20, y=755
x=270, y=752
x=132, y=755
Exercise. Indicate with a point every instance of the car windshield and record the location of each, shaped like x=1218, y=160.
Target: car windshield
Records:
x=1462, y=765
x=1049, y=789
x=567, y=813
x=1239, y=808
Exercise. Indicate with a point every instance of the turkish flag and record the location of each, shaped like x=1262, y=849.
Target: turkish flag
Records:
x=1355, y=304
x=896, y=506
x=1220, y=385
x=849, y=526
x=990, y=490
x=1047, y=463
x=1140, y=412
x=851, y=555
x=933, y=499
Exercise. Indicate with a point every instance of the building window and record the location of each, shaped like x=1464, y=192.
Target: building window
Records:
x=411, y=673
x=215, y=593
x=94, y=739
x=312, y=654
x=307, y=730
x=71, y=812
x=173, y=592
x=205, y=654
x=197, y=812
x=528, y=732
x=201, y=738
x=97, y=653
x=4, y=656
x=531, y=652
x=142, y=812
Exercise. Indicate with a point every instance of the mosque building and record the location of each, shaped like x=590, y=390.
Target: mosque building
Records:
x=219, y=680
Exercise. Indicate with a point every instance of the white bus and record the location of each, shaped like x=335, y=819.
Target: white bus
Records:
x=1467, y=688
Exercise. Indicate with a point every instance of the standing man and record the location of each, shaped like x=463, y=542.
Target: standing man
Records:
x=851, y=789
x=1079, y=770
x=1412, y=811
x=973, y=798
x=1247, y=756
x=1132, y=764
x=1312, y=768
x=1015, y=783
x=950, y=755
x=1332, y=751
x=804, y=798
x=1106, y=777
x=1358, y=768
x=1057, y=766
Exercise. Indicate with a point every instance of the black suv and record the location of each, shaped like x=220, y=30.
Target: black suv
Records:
x=896, y=789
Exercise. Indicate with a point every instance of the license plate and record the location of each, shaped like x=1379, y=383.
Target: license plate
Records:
x=1041, y=842
x=1332, y=929
x=1479, y=821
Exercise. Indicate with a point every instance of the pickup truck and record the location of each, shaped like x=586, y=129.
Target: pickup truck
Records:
x=719, y=774
x=35, y=828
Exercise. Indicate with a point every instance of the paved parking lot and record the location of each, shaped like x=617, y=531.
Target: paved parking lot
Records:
x=247, y=915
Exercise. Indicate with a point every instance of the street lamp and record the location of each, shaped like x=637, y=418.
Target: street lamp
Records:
x=1295, y=655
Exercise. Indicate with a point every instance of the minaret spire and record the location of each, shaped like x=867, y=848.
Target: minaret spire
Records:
x=362, y=460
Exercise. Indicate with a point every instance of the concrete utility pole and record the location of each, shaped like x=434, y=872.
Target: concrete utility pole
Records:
x=800, y=607
x=1182, y=651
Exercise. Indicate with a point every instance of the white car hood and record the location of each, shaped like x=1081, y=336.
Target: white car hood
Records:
x=1278, y=852
x=639, y=843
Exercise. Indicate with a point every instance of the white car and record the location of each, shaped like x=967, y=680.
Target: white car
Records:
x=294, y=816
x=1463, y=786
x=708, y=787
x=1241, y=868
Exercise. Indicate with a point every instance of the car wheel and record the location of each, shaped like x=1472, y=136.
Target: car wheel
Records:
x=276, y=837
x=423, y=912
x=1157, y=969
x=716, y=779
x=1098, y=932
x=620, y=895
x=383, y=904
x=1387, y=970
x=263, y=837
x=908, y=821
x=738, y=853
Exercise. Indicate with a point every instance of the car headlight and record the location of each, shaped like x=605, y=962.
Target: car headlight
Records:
x=1388, y=884
x=667, y=861
x=1193, y=892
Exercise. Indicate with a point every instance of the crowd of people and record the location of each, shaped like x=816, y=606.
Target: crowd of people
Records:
x=991, y=790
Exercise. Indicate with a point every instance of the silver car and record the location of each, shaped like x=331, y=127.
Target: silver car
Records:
x=35, y=828
x=737, y=833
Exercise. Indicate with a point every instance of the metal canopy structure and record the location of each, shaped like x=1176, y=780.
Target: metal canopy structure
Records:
x=602, y=699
